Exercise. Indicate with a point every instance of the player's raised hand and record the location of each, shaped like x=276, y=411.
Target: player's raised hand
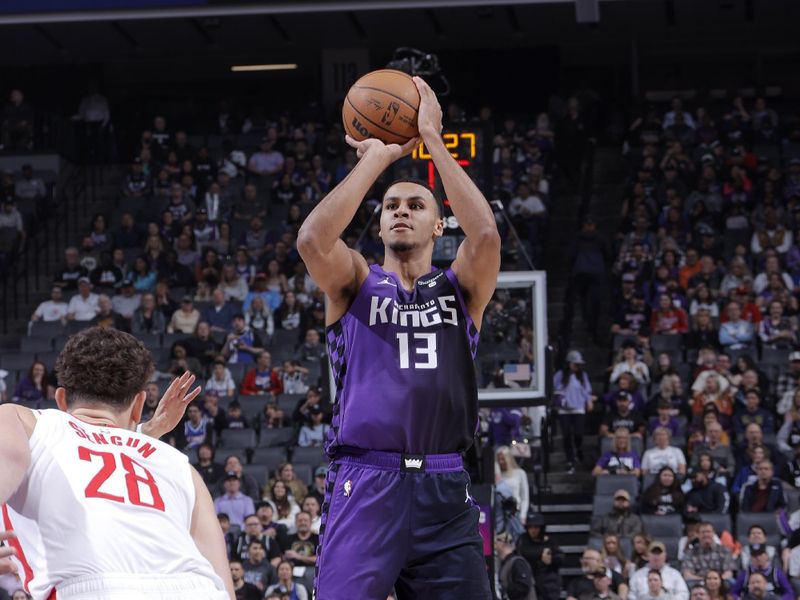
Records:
x=391, y=152
x=172, y=406
x=429, y=117
x=6, y=565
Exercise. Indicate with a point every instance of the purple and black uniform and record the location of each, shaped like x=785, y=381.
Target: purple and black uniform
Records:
x=397, y=509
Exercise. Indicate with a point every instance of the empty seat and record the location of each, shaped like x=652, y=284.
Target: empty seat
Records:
x=658, y=526
x=258, y=471
x=608, y=484
x=238, y=438
x=47, y=329
x=150, y=340
x=48, y=358
x=304, y=472
x=271, y=457
x=16, y=361
x=667, y=343
x=311, y=456
x=602, y=505
x=272, y=438
x=774, y=356
x=35, y=344
x=287, y=402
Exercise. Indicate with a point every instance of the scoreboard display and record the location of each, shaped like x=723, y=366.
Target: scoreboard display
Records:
x=466, y=146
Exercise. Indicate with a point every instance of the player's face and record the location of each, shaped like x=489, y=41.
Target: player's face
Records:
x=410, y=218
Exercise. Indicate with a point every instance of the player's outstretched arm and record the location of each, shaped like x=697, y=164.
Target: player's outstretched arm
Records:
x=207, y=534
x=172, y=406
x=15, y=455
x=478, y=260
x=335, y=268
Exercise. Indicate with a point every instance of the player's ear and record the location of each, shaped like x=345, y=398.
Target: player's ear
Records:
x=61, y=399
x=438, y=228
x=138, y=406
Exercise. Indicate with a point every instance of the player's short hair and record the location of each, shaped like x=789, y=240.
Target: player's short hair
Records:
x=439, y=202
x=101, y=365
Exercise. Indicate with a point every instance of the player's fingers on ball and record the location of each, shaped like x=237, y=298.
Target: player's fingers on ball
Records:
x=350, y=141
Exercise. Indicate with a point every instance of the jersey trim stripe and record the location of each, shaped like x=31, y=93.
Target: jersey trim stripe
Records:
x=14, y=543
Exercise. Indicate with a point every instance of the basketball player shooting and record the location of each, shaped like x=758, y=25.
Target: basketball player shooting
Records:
x=402, y=339
x=91, y=507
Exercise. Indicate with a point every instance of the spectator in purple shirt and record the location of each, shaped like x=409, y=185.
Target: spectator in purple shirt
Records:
x=233, y=502
x=620, y=460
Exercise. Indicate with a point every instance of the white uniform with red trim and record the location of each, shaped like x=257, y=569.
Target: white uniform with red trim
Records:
x=105, y=513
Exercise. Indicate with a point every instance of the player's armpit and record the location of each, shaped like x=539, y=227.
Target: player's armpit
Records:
x=338, y=273
x=476, y=267
x=16, y=426
x=207, y=534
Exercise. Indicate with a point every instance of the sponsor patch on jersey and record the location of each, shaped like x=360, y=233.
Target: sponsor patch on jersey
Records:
x=432, y=281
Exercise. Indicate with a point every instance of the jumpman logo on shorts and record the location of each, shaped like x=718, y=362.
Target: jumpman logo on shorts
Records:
x=468, y=498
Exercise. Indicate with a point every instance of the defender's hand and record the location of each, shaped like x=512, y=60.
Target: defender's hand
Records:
x=172, y=406
x=389, y=152
x=429, y=116
x=6, y=552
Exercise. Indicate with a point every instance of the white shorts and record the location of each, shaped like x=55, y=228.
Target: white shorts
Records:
x=111, y=586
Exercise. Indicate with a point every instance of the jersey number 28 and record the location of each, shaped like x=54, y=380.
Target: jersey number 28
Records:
x=133, y=480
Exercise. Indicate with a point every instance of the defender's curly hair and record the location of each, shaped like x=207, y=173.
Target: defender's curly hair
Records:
x=103, y=365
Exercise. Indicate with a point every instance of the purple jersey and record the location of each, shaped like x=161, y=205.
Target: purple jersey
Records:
x=403, y=366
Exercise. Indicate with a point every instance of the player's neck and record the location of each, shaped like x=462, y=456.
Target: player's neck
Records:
x=408, y=266
x=102, y=417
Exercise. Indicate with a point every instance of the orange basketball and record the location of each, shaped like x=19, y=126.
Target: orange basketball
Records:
x=382, y=104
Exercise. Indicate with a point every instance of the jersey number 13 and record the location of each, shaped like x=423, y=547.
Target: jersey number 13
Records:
x=424, y=346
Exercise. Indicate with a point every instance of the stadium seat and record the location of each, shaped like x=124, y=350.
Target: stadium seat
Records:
x=792, y=498
x=259, y=472
x=238, y=438
x=304, y=472
x=766, y=520
x=273, y=438
x=16, y=361
x=602, y=505
x=670, y=344
x=720, y=522
x=35, y=345
x=773, y=356
x=253, y=406
x=271, y=457
x=224, y=453
x=311, y=456
x=48, y=358
x=150, y=340
x=74, y=327
x=287, y=402
x=608, y=484
x=658, y=526
x=47, y=329
x=170, y=338
x=237, y=371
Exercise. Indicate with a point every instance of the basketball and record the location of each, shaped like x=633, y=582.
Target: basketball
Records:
x=382, y=104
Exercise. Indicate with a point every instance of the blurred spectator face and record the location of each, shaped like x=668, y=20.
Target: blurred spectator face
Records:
x=148, y=302
x=753, y=434
x=256, y=224
x=311, y=506
x=590, y=560
x=764, y=471
x=71, y=257
x=237, y=571
x=104, y=302
x=303, y=523
x=250, y=192
x=264, y=514
x=232, y=463
x=287, y=472
x=771, y=265
x=238, y=325
x=203, y=330
x=623, y=404
x=312, y=337
x=752, y=401
x=714, y=432
x=159, y=123
x=699, y=593
x=756, y=535
x=253, y=527
x=654, y=583
x=661, y=437
x=666, y=478
x=706, y=535
x=657, y=560
x=218, y=297
x=734, y=311
x=712, y=384
x=757, y=585
x=256, y=550
x=775, y=310
x=285, y=571
x=622, y=440
x=232, y=486
x=84, y=288
x=56, y=294
x=264, y=361
x=193, y=412
x=16, y=97
x=205, y=453
x=176, y=193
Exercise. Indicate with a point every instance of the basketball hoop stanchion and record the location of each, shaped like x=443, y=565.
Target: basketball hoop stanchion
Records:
x=497, y=206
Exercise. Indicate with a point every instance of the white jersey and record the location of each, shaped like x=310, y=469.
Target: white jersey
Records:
x=100, y=500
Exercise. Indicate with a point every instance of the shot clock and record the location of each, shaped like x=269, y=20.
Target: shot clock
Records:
x=466, y=146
